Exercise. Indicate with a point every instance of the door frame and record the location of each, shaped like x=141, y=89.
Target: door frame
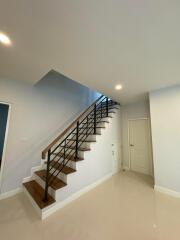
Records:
x=5, y=142
x=129, y=155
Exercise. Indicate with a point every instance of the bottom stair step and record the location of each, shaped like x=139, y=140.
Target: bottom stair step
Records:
x=37, y=193
x=56, y=183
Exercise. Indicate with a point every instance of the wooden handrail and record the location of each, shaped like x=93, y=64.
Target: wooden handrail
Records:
x=44, y=152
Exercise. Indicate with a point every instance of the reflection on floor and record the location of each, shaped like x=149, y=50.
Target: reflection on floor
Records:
x=124, y=207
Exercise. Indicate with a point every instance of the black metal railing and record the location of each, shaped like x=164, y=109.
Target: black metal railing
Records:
x=68, y=144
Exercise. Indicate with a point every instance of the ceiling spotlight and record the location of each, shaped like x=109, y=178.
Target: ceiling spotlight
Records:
x=4, y=39
x=118, y=87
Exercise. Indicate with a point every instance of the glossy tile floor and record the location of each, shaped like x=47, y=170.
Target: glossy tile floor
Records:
x=124, y=207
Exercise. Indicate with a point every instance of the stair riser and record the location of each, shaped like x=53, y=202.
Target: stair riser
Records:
x=82, y=144
x=70, y=164
x=62, y=176
x=110, y=108
x=98, y=110
x=107, y=118
x=80, y=153
x=86, y=139
x=104, y=113
x=101, y=124
x=98, y=130
x=90, y=138
x=51, y=191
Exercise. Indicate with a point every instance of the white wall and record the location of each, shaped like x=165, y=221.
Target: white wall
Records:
x=165, y=122
x=131, y=111
x=38, y=114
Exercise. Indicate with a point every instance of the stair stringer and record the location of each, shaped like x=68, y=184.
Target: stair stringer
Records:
x=96, y=167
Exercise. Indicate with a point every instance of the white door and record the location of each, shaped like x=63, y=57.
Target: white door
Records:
x=140, y=146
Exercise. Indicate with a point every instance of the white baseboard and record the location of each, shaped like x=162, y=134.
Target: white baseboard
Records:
x=167, y=191
x=73, y=197
x=33, y=169
x=27, y=179
x=10, y=193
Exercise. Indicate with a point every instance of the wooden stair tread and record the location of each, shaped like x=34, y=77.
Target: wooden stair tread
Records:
x=98, y=122
x=37, y=193
x=66, y=170
x=102, y=117
x=86, y=141
x=91, y=127
x=99, y=112
x=109, y=107
x=83, y=149
x=56, y=183
x=86, y=134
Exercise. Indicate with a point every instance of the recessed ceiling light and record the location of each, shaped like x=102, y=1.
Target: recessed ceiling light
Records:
x=118, y=87
x=4, y=39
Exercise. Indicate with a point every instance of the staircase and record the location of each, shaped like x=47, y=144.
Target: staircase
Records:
x=61, y=158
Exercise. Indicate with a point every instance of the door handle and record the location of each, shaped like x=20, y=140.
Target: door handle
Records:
x=131, y=145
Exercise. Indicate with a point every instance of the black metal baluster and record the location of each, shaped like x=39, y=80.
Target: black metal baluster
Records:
x=101, y=110
x=95, y=119
x=64, y=154
x=77, y=140
x=87, y=125
x=107, y=110
x=47, y=177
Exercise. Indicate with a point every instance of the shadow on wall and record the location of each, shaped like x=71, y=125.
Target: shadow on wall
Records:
x=54, y=82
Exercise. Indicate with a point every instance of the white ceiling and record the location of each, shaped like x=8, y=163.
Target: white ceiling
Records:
x=99, y=43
